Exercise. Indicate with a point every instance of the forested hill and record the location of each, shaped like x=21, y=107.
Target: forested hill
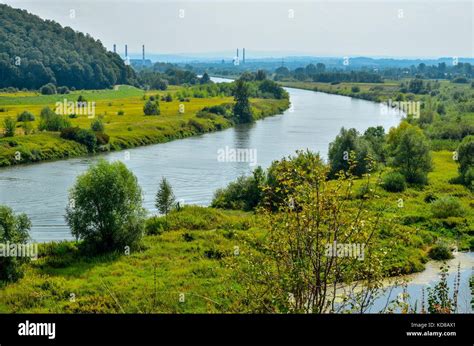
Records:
x=34, y=52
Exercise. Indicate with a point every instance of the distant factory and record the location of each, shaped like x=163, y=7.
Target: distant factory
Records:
x=143, y=62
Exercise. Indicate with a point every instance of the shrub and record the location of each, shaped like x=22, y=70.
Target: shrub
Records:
x=25, y=116
x=10, y=126
x=394, y=182
x=48, y=89
x=355, y=89
x=102, y=138
x=107, y=212
x=440, y=252
x=445, y=207
x=466, y=160
x=151, y=108
x=63, y=90
x=13, y=229
x=51, y=121
x=97, y=126
x=82, y=136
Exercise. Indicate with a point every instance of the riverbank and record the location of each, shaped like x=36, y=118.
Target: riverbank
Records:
x=121, y=111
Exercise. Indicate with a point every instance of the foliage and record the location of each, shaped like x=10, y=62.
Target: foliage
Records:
x=244, y=194
x=242, y=110
x=348, y=143
x=97, y=126
x=48, y=89
x=466, y=161
x=439, y=301
x=446, y=206
x=409, y=153
x=165, y=199
x=440, y=252
x=25, y=116
x=105, y=208
x=51, y=121
x=151, y=108
x=14, y=229
x=45, y=49
x=394, y=182
x=10, y=126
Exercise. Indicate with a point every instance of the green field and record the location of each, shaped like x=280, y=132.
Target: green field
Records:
x=131, y=129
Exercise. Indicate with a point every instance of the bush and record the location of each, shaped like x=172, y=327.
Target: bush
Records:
x=394, y=182
x=25, y=116
x=82, y=136
x=151, y=108
x=445, y=207
x=51, y=121
x=102, y=138
x=440, y=252
x=355, y=89
x=97, y=126
x=106, y=208
x=63, y=90
x=48, y=89
x=10, y=126
x=13, y=229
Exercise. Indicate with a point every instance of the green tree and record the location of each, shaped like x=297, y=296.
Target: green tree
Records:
x=205, y=78
x=10, y=126
x=242, y=109
x=48, y=89
x=409, y=152
x=151, y=108
x=348, y=143
x=261, y=75
x=97, y=126
x=51, y=121
x=299, y=262
x=165, y=199
x=466, y=161
x=14, y=229
x=105, y=208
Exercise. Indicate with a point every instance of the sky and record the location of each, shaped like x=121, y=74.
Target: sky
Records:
x=383, y=28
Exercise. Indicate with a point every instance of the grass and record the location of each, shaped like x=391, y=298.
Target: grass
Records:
x=129, y=130
x=192, y=257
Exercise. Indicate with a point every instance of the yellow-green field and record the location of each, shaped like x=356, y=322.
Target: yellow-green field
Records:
x=130, y=129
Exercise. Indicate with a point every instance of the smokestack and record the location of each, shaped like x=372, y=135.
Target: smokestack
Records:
x=243, y=55
x=126, y=51
x=115, y=48
x=143, y=53
x=237, y=53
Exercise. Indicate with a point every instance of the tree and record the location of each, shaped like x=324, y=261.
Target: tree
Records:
x=151, y=108
x=48, y=89
x=242, y=110
x=376, y=137
x=261, y=75
x=347, y=144
x=299, y=266
x=205, y=78
x=14, y=229
x=97, y=126
x=105, y=208
x=466, y=161
x=10, y=126
x=165, y=199
x=409, y=152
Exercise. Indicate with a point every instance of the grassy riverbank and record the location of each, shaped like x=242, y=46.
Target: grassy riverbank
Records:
x=188, y=269
x=121, y=111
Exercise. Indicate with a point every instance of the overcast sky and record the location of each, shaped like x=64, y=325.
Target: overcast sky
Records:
x=419, y=28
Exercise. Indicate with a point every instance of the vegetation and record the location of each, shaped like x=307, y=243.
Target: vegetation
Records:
x=242, y=111
x=50, y=62
x=14, y=229
x=105, y=208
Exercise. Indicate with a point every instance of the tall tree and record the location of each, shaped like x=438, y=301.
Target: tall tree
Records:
x=242, y=109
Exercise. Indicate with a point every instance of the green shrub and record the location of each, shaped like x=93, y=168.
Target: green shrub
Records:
x=63, y=90
x=51, y=121
x=97, y=126
x=102, y=138
x=10, y=126
x=48, y=89
x=25, y=116
x=151, y=108
x=446, y=206
x=394, y=182
x=440, y=252
x=82, y=136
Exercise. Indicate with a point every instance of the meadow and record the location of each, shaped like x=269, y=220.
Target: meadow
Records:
x=121, y=111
